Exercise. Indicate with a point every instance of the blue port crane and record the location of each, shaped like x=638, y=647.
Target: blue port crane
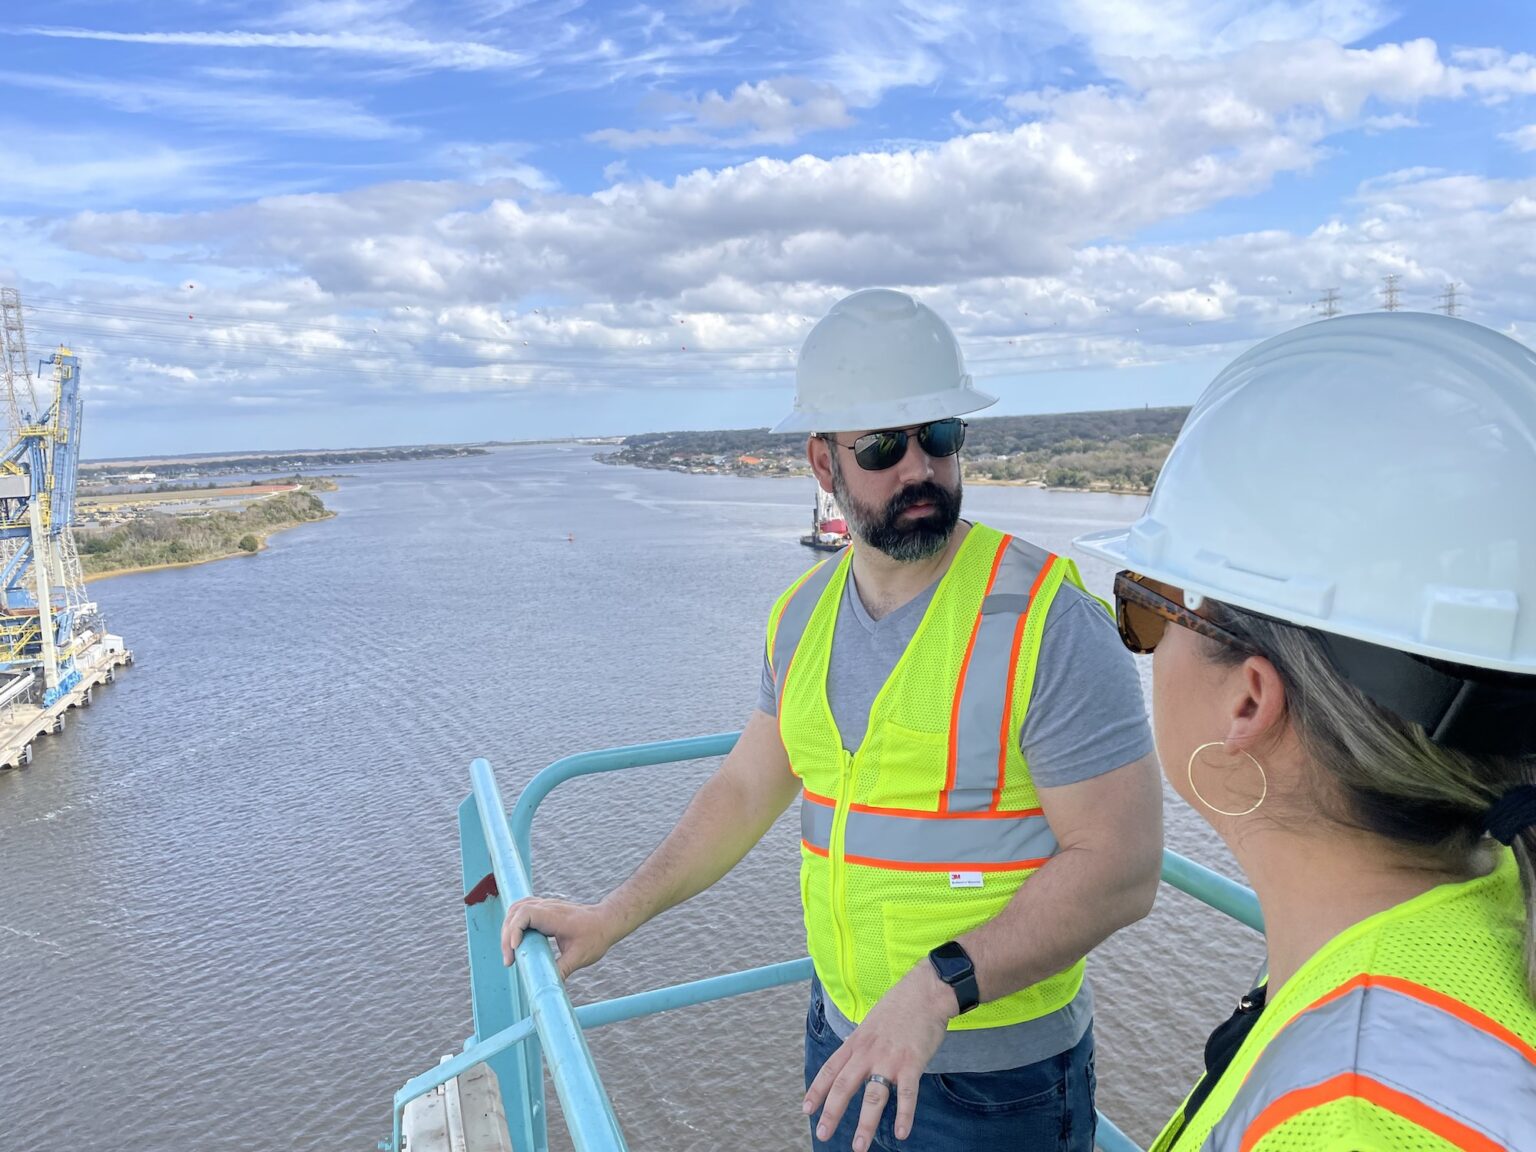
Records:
x=43, y=604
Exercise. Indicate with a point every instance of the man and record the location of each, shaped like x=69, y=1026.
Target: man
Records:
x=980, y=803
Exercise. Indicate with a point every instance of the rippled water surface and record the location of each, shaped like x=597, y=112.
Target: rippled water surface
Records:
x=229, y=912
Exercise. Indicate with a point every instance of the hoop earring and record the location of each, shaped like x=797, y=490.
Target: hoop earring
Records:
x=1263, y=778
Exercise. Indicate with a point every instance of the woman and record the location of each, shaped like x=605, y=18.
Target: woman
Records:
x=1337, y=572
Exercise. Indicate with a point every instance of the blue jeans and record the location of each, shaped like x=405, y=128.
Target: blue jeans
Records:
x=1042, y=1107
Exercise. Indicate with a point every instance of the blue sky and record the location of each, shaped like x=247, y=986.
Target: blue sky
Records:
x=344, y=222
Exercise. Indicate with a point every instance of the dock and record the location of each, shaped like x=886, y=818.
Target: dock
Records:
x=55, y=649
x=23, y=718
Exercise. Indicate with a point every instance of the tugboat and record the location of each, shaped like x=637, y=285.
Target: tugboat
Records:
x=829, y=531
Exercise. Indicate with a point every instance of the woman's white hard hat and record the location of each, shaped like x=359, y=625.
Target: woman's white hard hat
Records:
x=880, y=359
x=1369, y=476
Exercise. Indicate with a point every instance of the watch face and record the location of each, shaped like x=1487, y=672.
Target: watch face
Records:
x=951, y=961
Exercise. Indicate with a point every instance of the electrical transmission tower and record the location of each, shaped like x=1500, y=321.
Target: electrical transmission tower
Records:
x=1389, y=299
x=1329, y=304
x=1449, y=304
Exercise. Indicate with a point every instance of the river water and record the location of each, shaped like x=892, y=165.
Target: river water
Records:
x=230, y=911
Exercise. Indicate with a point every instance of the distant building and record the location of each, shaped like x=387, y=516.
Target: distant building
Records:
x=140, y=477
x=749, y=459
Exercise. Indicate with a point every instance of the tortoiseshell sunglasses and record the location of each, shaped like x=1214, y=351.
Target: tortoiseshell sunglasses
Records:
x=1145, y=607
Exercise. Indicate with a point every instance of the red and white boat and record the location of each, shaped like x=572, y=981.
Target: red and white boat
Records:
x=829, y=530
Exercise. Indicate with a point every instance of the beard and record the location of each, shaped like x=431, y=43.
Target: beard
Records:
x=902, y=538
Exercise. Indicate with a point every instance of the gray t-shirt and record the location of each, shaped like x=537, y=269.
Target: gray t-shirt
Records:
x=1086, y=717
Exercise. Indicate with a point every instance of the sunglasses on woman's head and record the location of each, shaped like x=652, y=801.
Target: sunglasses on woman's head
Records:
x=877, y=451
x=1144, y=608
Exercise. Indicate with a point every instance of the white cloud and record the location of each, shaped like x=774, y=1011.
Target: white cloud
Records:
x=1094, y=163
x=966, y=124
x=1026, y=236
x=777, y=111
x=1388, y=123
x=1522, y=138
x=337, y=15
x=458, y=55
x=1338, y=80
x=1106, y=304
x=224, y=107
x=868, y=47
x=1183, y=29
x=501, y=162
x=67, y=170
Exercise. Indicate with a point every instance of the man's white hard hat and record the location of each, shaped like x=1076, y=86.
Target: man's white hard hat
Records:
x=880, y=359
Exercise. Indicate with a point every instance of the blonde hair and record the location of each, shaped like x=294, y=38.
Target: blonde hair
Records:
x=1390, y=777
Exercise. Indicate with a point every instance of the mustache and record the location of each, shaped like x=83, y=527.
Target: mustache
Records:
x=926, y=492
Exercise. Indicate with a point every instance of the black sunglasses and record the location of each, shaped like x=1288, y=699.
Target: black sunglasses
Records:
x=877, y=451
x=1144, y=608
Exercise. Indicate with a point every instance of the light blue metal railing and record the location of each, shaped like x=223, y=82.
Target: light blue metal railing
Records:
x=523, y=1013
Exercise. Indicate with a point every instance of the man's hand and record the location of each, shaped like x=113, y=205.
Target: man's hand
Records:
x=896, y=1041
x=726, y=817
x=582, y=933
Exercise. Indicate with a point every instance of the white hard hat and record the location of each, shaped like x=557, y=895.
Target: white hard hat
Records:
x=1369, y=476
x=880, y=359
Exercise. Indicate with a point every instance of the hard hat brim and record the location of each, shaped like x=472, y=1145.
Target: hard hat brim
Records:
x=1115, y=546
x=889, y=413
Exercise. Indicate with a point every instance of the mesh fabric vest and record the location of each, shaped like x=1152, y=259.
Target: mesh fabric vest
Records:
x=931, y=826
x=1412, y=1031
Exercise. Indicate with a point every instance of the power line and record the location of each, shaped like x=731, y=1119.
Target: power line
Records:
x=1329, y=304
x=1448, y=302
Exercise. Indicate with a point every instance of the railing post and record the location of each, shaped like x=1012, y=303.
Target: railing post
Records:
x=519, y=1070
x=583, y=1099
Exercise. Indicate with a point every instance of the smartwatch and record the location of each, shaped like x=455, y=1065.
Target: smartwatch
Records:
x=954, y=967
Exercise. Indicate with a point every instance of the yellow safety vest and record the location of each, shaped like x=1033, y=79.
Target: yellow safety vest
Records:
x=928, y=829
x=1412, y=1031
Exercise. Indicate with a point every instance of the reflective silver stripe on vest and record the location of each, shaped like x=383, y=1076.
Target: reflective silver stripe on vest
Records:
x=796, y=616
x=1404, y=1043
x=930, y=839
x=989, y=679
x=816, y=824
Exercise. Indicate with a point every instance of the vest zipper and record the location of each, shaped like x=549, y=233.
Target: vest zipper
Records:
x=839, y=887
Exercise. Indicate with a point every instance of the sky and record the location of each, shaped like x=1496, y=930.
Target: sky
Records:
x=332, y=223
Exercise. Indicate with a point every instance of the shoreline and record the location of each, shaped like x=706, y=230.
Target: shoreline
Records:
x=261, y=538
x=978, y=480
x=987, y=481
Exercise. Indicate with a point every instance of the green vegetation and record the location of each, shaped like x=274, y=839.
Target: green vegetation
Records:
x=159, y=540
x=1118, y=451
x=273, y=461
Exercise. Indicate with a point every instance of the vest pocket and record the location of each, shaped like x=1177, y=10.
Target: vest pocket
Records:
x=912, y=930
x=926, y=919
x=910, y=766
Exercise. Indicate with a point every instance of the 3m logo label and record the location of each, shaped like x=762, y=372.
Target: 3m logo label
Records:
x=965, y=879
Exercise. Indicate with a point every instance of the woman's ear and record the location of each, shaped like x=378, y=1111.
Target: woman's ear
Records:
x=1257, y=704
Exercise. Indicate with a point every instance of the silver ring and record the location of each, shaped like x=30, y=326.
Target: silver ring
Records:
x=883, y=1081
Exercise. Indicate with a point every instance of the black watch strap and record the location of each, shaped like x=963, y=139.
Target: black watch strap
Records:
x=954, y=967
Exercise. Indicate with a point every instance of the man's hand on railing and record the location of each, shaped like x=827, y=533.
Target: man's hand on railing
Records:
x=582, y=933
